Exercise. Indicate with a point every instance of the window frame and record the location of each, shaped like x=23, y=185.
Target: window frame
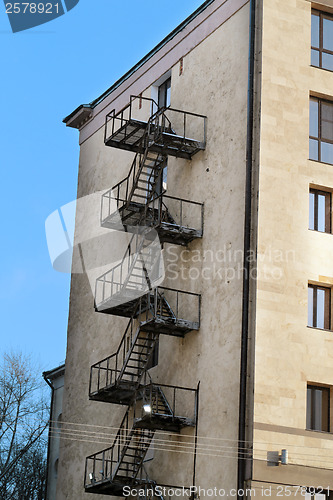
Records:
x=322, y=15
x=153, y=360
x=323, y=389
x=327, y=307
x=163, y=93
x=319, y=124
x=328, y=209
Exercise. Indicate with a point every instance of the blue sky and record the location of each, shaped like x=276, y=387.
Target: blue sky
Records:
x=46, y=73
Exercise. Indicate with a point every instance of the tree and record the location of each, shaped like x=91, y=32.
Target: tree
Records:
x=23, y=422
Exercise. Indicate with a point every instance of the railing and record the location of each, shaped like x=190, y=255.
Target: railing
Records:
x=120, y=191
x=160, y=209
x=176, y=122
x=112, y=281
x=161, y=400
x=105, y=373
x=123, y=192
x=182, y=306
x=115, y=121
x=178, y=212
x=182, y=127
x=118, y=278
x=101, y=466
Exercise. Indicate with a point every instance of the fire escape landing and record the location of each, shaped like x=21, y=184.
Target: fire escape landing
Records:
x=132, y=288
x=122, y=464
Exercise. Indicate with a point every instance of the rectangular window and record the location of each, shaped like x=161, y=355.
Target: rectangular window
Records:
x=319, y=307
x=318, y=408
x=320, y=211
x=321, y=130
x=164, y=94
x=322, y=40
x=153, y=361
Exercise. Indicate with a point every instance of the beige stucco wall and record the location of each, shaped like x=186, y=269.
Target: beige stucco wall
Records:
x=216, y=177
x=54, y=441
x=288, y=353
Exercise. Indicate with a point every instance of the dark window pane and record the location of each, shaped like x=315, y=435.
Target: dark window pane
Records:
x=314, y=57
x=325, y=425
x=326, y=152
x=308, y=407
x=315, y=30
x=321, y=212
x=168, y=95
x=310, y=306
x=311, y=210
x=320, y=320
x=313, y=118
x=313, y=149
x=319, y=305
x=164, y=94
x=317, y=403
x=318, y=408
x=327, y=61
x=326, y=121
x=165, y=178
x=327, y=34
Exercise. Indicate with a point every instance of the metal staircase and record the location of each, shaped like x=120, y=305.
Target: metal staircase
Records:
x=140, y=269
x=139, y=196
x=116, y=378
x=132, y=288
x=167, y=131
x=122, y=464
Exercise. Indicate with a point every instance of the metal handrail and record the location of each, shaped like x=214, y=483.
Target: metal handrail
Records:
x=121, y=351
x=160, y=201
x=120, y=114
x=161, y=115
x=154, y=116
x=131, y=257
x=117, y=442
x=155, y=307
x=152, y=391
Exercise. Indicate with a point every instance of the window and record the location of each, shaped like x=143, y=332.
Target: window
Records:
x=322, y=40
x=317, y=494
x=320, y=211
x=321, y=130
x=164, y=94
x=153, y=361
x=318, y=408
x=319, y=307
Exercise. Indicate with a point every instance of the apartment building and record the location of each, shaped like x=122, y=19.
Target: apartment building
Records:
x=55, y=379
x=200, y=324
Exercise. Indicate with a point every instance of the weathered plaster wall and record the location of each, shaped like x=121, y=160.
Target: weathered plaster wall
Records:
x=214, y=83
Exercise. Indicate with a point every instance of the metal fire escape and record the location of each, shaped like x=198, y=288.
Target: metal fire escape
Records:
x=132, y=289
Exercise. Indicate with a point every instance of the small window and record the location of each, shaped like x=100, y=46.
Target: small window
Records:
x=322, y=40
x=321, y=130
x=318, y=408
x=317, y=494
x=164, y=94
x=320, y=211
x=319, y=307
x=153, y=361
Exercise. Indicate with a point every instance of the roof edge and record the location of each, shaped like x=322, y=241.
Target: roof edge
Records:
x=138, y=65
x=56, y=372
